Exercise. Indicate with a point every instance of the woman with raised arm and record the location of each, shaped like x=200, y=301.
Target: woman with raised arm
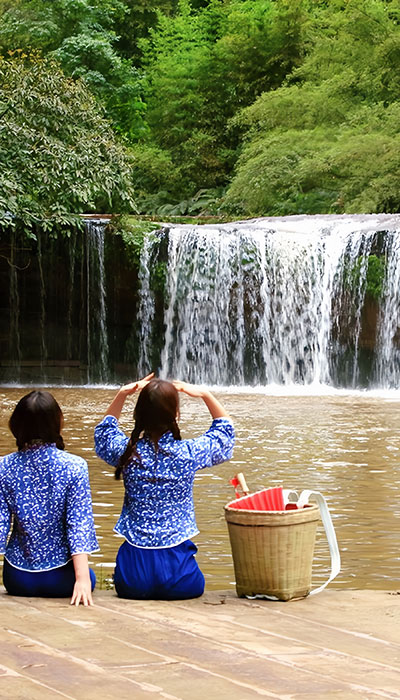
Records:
x=157, y=559
x=45, y=500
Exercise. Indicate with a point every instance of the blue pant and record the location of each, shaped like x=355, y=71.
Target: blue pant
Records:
x=54, y=583
x=158, y=574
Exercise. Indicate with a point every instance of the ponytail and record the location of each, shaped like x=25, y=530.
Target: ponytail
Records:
x=155, y=414
x=60, y=442
x=129, y=451
x=175, y=430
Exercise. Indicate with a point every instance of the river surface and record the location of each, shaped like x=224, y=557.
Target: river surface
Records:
x=345, y=445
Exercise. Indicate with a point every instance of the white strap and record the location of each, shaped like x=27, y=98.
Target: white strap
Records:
x=329, y=531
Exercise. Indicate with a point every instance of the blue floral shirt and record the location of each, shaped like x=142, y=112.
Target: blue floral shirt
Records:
x=158, y=509
x=45, y=495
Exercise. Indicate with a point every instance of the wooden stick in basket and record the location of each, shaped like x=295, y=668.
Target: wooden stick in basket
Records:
x=242, y=482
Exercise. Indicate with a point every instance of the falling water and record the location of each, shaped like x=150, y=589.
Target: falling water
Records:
x=211, y=278
x=97, y=341
x=14, y=335
x=388, y=355
x=43, y=348
x=146, y=309
x=71, y=269
x=274, y=301
x=280, y=301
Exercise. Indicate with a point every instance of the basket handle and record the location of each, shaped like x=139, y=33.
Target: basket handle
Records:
x=329, y=531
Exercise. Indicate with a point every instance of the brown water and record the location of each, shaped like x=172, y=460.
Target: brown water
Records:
x=347, y=447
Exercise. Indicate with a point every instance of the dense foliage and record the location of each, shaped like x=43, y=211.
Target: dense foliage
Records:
x=59, y=155
x=239, y=107
x=328, y=141
x=79, y=34
x=202, y=67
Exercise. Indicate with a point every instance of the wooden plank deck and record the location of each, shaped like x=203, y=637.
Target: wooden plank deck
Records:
x=339, y=644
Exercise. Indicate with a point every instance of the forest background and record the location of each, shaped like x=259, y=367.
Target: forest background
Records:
x=234, y=108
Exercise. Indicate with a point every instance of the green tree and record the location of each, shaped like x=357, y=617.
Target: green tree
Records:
x=328, y=141
x=202, y=66
x=176, y=103
x=58, y=154
x=80, y=35
x=139, y=18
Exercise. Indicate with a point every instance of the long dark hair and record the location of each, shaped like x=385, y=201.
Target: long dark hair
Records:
x=155, y=413
x=37, y=417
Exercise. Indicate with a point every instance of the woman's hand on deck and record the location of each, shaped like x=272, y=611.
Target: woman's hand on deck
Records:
x=82, y=593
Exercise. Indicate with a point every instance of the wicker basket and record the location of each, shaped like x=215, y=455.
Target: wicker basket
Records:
x=272, y=550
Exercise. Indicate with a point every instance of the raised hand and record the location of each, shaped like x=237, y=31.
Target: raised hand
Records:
x=190, y=389
x=119, y=399
x=214, y=406
x=131, y=388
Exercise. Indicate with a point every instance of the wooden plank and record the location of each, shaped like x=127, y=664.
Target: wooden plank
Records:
x=216, y=645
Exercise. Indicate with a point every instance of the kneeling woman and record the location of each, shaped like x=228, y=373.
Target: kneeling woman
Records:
x=157, y=559
x=45, y=494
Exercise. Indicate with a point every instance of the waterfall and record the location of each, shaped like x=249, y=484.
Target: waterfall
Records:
x=14, y=334
x=209, y=283
x=279, y=301
x=302, y=300
x=43, y=348
x=96, y=321
x=388, y=340
x=71, y=279
x=146, y=310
